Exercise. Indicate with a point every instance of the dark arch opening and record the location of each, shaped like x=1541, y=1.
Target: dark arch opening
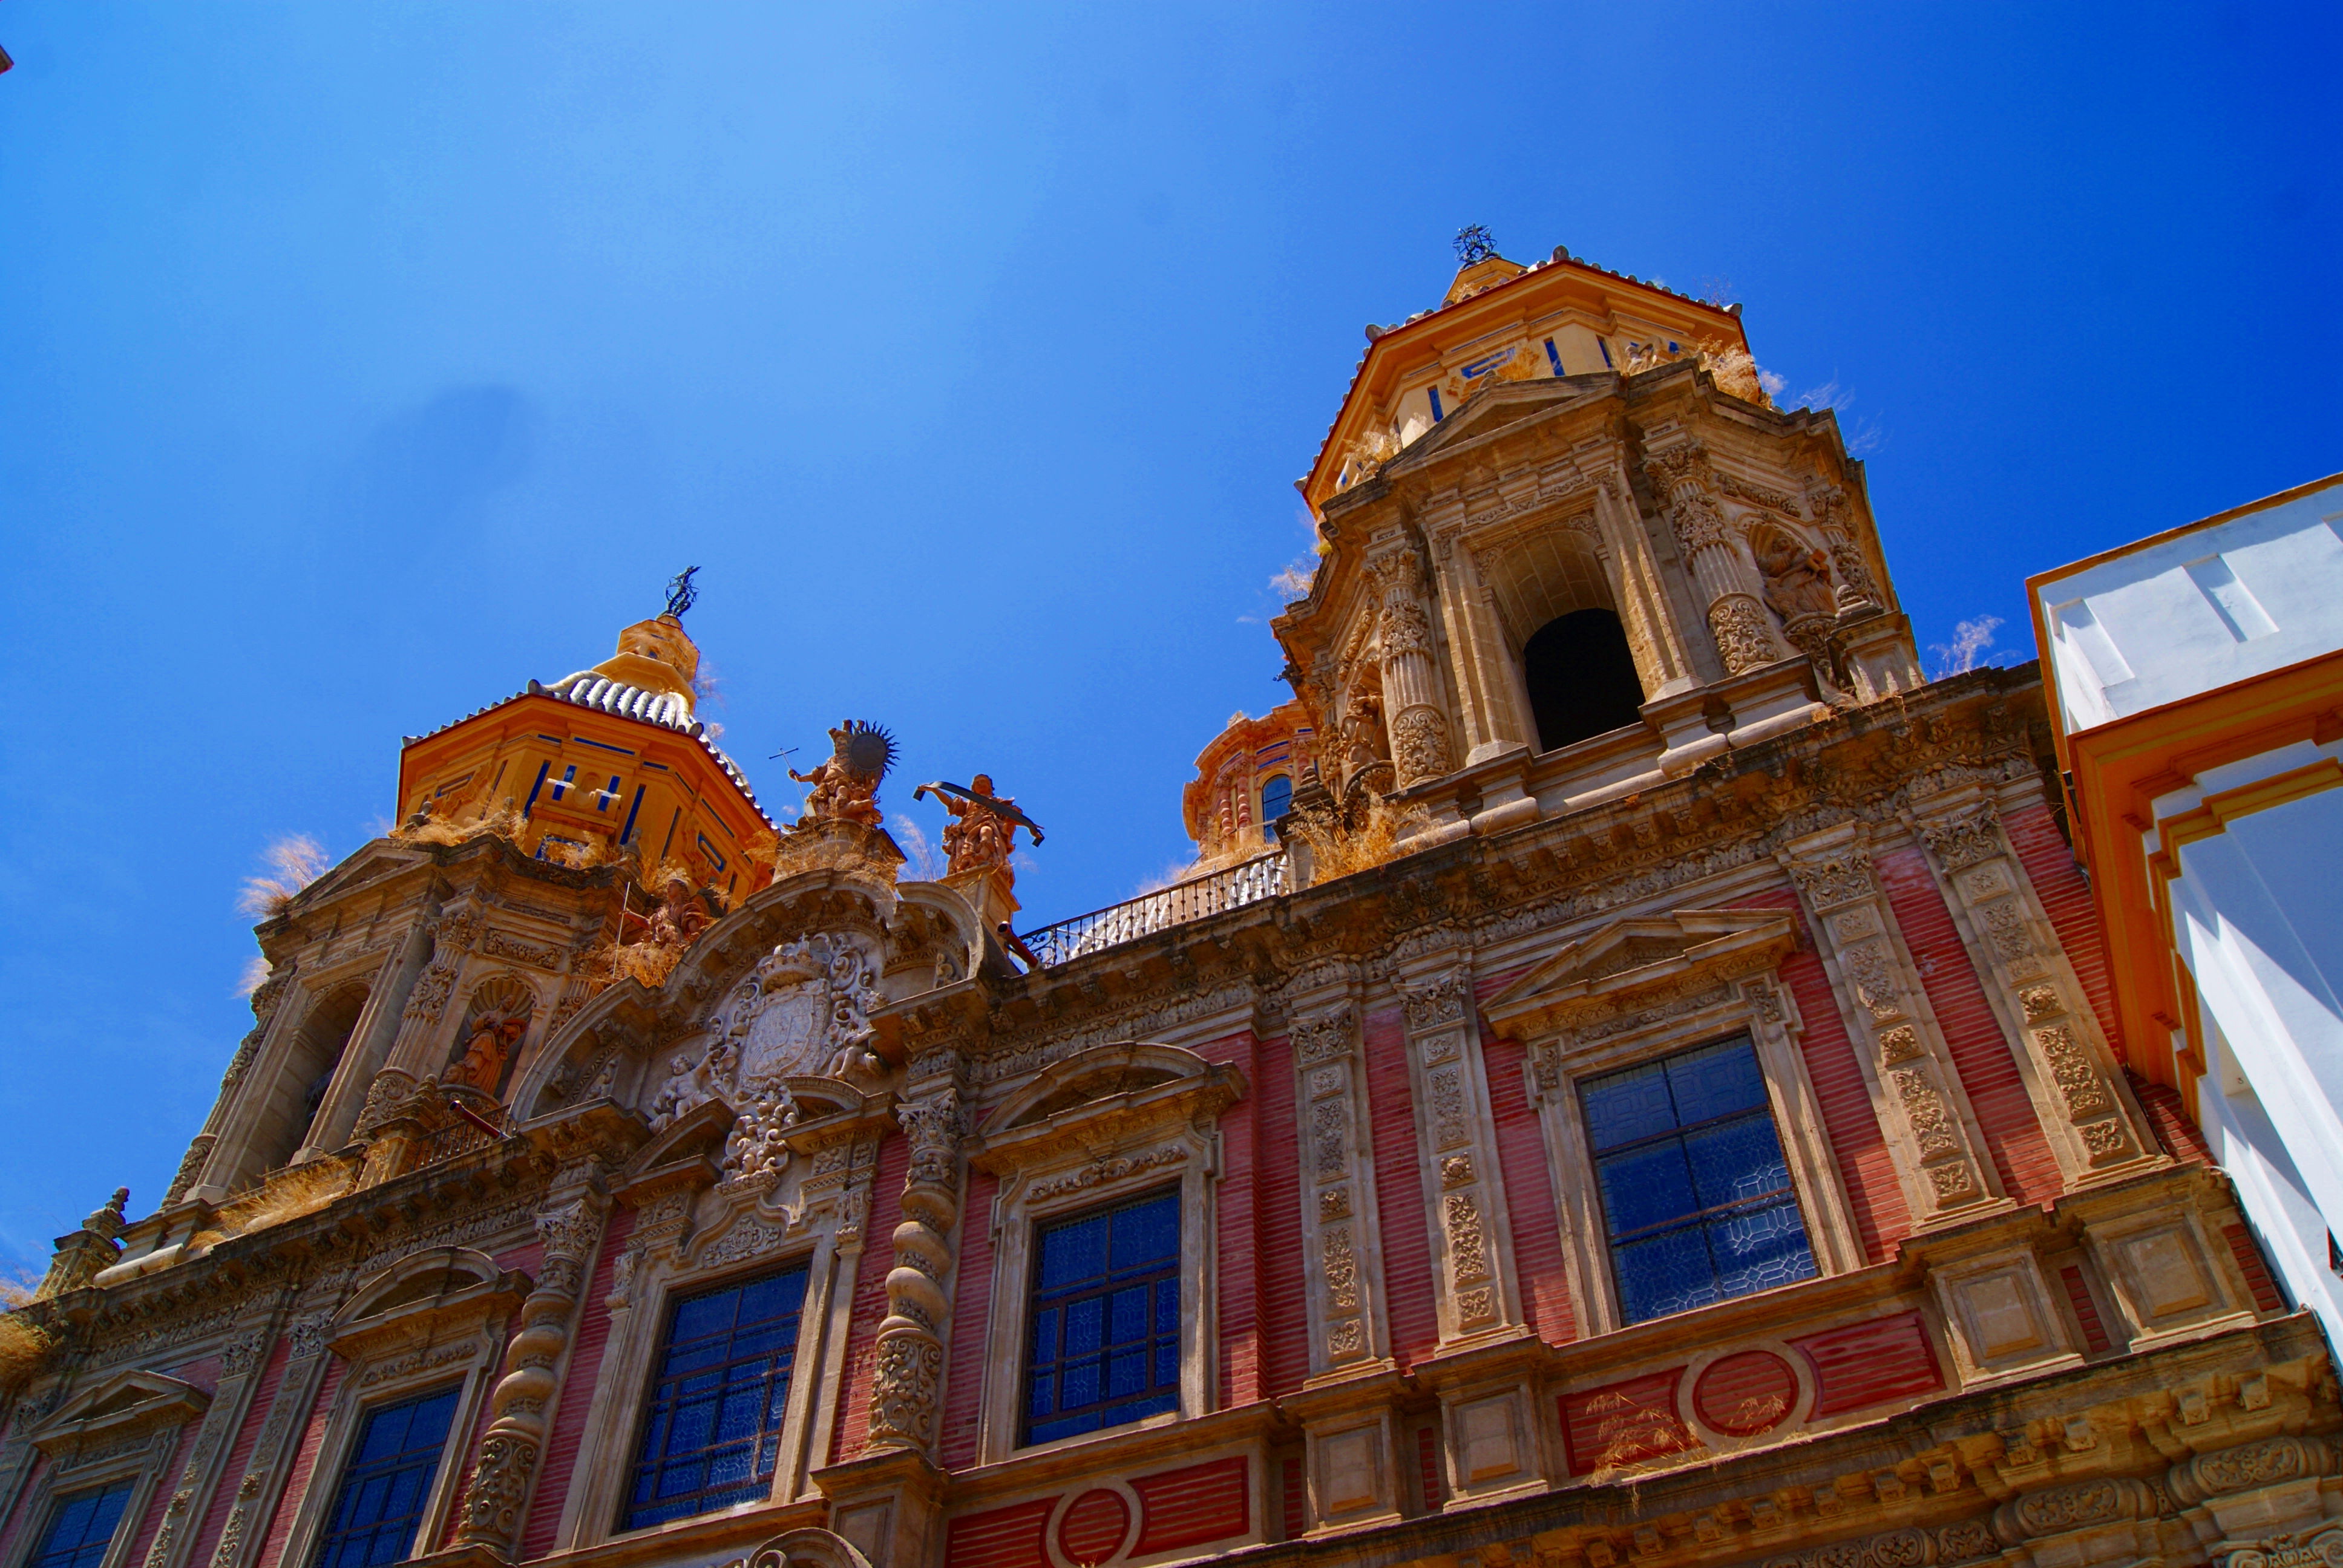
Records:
x=1582, y=677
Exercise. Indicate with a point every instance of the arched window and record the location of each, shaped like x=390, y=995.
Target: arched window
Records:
x=1276, y=799
x=284, y=1117
x=1581, y=677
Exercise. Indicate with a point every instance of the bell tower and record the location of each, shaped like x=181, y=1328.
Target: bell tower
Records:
x=1571, y=548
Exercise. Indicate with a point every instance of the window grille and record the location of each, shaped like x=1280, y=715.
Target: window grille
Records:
x=81, y=1527
x=712, y=1433
x=388, y=1481
x=1105, y=1315
x=1697, y=1203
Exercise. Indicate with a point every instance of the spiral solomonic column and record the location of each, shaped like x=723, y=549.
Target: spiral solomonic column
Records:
x=906, y=1381
x=1723, y=578
x=497, y=1492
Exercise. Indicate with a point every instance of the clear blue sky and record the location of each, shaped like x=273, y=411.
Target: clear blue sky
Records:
x=358, y=363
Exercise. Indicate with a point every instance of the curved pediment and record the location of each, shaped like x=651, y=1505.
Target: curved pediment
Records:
x=1106, y=1092
x=426, y=1292
x=1103, y=1071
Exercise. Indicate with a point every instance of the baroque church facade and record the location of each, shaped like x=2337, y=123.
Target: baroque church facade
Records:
x=1630, y=1080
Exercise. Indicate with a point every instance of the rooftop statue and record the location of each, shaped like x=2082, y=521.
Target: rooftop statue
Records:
x=982, y=832
x=846, y=787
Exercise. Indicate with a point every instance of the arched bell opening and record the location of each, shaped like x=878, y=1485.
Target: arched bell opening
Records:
x=284, y=1117
x=1581, y=677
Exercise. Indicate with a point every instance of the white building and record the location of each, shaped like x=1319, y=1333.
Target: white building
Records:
x=2197, y=681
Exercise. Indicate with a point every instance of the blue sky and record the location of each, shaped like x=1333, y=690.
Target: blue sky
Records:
x=358, y=363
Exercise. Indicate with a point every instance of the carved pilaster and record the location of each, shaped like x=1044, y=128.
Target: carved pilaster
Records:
x=1413, y=714
x=2064, y=1057
x=907, y=1382
x=496, y=1494
x=1340, y=1224
x=1915, y=1087
x=1462, y=1193
x=1725, y=581
x=261, y=1486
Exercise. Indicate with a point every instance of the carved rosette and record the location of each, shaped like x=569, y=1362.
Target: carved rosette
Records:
x=1457, y=1145
x=1337, y=1189
x=2065, y=1059
x=1413, y=712
x=1907, y=1061
x=497, y=1492
x=906, y=1381
x=1722, y=575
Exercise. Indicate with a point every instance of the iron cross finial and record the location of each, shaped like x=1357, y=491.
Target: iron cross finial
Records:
x=1473, y=243
x=680, y=595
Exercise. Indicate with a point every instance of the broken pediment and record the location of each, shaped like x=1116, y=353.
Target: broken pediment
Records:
x=121, y=1406
x=1633, y=958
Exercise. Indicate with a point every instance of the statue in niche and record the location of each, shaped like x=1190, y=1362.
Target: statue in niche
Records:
x=982, y=832
x=846, y=787
x=1364, y=744
x=489, y=1039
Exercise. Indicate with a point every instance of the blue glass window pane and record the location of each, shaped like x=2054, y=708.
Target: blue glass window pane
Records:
x=712, y=1422
x=1105, y=1314
x=388, y=1481
x=1624, y=1106
x=1276, y=799
x=1696, y=1195
x=81, y=1528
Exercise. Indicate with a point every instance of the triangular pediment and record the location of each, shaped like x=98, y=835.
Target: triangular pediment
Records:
x=1495, y=407
x=123, y=1404
x=1643, y=953
x=382, y=857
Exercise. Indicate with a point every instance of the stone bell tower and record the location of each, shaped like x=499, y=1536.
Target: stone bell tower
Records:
x=1571, y=549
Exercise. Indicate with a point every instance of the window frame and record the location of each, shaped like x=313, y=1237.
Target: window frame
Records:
x=1608, y=1241
x=1725, y=981
x=1107, y=1206
x=1119, y=1146
x=671, y=1300
x=425, y=1530
x=1268, y=819
x=135, y=1443
x=395, y=1354
x=126, y=1485
x=690, y=1233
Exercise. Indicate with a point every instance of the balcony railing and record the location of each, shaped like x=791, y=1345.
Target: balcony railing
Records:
x=1150, y=912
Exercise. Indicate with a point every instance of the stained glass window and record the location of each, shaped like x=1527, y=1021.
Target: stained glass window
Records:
x=386, y=1482
x=81, y=1528
x=713, y=1431
x=1697, y=1197
x=1105, y=1346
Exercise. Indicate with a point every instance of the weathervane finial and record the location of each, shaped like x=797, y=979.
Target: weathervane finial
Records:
x=680, y=595
x=1473, y=243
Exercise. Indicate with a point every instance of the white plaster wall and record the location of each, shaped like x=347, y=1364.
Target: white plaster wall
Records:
x=2183, y=616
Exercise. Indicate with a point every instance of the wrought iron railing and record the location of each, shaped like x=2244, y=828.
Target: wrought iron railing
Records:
x=1150, y=912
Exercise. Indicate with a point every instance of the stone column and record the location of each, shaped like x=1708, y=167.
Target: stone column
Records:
x=266, y=1003
x=1723, y=578
x=1652, y=635
x=1414, y=715
x=1341, y=1226
x=2069, y=1072
x=496, y=1494
x=1493, y=724
x=1932, y=1135
x=1464, y=1196
x=906, y=1381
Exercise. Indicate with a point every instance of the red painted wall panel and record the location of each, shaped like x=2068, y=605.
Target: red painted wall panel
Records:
x=1282, y=1283
x=305, y=1460
x=1236, y=1234
x=2067, y=900
x=1870, y=1364
x=1529, y=1193
x=972, y=1317
x=1189, y=1506
x=2005, y=1111
x=870, y=1297
x=1621, y=1422
x=1399, y=1191
x=1864, y=1170
x=1000, y=1537
x=239, y=1455
x=576, y=1397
